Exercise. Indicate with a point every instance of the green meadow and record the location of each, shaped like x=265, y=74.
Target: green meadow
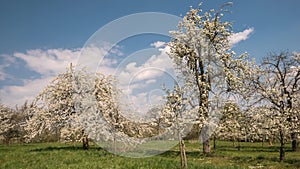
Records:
x=225, y=156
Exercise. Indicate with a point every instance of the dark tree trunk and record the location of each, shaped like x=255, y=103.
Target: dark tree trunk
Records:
x=215, y=146
x=239, y=145
x=294, y=142
x=85, y=142
x=182, y=154
x=282, y=151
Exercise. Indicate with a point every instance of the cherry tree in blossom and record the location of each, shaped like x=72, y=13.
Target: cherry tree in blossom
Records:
x=201, y=51
x=277, y=87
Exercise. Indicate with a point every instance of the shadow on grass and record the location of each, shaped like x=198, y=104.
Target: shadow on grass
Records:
x=252, y=149
x=295, y=162
x=172, y=153
x=69, y=148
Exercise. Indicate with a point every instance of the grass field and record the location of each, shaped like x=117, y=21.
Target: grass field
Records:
x=59, y=155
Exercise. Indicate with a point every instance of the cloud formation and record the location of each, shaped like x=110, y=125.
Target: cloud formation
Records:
x=135, y=76
x=158, y=44
x=7, y=61
x=240, y=36
x=47, y=63
x=18, y=94
x=2, y=73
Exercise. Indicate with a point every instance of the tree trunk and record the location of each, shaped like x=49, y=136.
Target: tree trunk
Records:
x=182, y=154
x=85, y=142
x=206, y=147
x=294, y=142
x=215, y=146
x=282, y=152
x=204, y=137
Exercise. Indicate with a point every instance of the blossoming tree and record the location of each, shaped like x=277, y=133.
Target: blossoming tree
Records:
x=12, y=122
x=54, y=108
x=277, y=86
x=78, y=105
x=201, y=44
x=8, y=123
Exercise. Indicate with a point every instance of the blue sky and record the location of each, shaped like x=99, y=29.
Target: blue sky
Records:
x=33, y=31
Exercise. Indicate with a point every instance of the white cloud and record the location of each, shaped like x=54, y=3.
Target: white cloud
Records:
x=131, y=67
x=151, y=81
x=148, y=73
x=152, y=68
x=240, y=36
x=7, y=62
x=48, y=63
x=160, y=61
x=92, y=57
x=158, y=44
x=17, y=95
x=137, y=76
x=3, y=75
x=140, y=82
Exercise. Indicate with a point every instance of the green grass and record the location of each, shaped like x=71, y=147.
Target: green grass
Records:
x=59, y=155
